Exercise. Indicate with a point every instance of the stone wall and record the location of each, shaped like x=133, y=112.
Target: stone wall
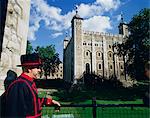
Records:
x=15, y=36
x=93, y=50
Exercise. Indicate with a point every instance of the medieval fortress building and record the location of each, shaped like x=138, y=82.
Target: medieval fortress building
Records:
x=85, y=51
x=92, y=52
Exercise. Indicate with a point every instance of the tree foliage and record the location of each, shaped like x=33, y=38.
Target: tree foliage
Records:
x=49, y=58
x=136, y=47
x=29, y=48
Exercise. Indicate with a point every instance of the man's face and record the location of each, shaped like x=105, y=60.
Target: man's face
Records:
x=35, y=72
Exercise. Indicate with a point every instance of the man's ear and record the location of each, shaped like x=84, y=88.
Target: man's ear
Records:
x=29, y=70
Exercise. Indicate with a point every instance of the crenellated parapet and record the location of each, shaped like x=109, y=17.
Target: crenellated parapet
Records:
x=102, y=34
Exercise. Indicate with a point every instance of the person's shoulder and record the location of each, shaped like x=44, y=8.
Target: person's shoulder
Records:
x=19, y=83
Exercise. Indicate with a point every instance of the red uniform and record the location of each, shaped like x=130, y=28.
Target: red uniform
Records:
x=22, y=99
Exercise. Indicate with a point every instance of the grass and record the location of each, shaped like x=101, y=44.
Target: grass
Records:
x=113, y=112
x=104, y=96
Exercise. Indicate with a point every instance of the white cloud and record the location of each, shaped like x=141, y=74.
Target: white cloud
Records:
x=87, y=10
x=108, y=4
x=97, y=24
x=55, y=21
x=57, y=34
x=33, y=28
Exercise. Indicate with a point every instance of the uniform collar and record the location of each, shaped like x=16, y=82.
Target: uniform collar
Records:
x=27, y=77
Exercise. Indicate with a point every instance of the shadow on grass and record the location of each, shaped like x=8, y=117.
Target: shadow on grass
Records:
x=117, y=94
x=80, y=93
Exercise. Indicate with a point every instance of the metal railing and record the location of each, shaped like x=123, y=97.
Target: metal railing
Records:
x=98, y=111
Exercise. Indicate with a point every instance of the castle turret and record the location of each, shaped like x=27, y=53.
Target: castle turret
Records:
x=77, y=40
x=66, y=42
x=123, y=27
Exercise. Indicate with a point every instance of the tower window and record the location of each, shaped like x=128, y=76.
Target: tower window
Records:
x=84, y=43
x=96, y=44
x=87, y=68
x=87, y=53
x=110, y=55
x=121, y=67
x=99, y=66
x=110, y=66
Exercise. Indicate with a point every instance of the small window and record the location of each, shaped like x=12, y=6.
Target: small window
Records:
x=96, y=44
x=110, y=55
x=109, y=46
x=110, y=66
x=61, y=75
x=121, y=67
x=84, y=43
x=87, y=53
x=99, y=54
x=99, y=66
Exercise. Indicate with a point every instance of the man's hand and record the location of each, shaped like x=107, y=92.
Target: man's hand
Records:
x=56, y=103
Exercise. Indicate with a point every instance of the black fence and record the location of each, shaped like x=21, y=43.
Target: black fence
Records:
x=98, y=111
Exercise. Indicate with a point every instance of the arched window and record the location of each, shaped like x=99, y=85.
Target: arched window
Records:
x=110, y=55
x=98, y=54
x=110, y=66
x=109, y=46
x=87, y=53
x=99, y=66
x=121, y=67
x=87, y=68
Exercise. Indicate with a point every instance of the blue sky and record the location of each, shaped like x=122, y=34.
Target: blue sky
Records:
x=50, y=20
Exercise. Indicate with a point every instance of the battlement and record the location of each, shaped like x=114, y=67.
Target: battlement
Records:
x=101, y=34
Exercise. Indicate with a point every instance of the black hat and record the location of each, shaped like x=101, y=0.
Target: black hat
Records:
x=29, y=60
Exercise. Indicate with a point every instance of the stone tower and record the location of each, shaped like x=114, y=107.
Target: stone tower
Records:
x=123, y=28
x=14, y=35
x=77, y=40
x=92, y=52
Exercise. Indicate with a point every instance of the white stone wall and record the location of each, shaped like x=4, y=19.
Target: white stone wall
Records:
x=15, y=36
x=104, y=60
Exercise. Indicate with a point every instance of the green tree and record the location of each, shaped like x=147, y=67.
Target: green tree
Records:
x=137, y=45
x=49, y=58
x=29, y=48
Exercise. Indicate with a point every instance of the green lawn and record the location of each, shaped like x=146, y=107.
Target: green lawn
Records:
x=106, y=96
x=112, y=112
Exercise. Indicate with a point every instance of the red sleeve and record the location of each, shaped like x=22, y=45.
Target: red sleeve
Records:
x=45, y=101
x=49, y=101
